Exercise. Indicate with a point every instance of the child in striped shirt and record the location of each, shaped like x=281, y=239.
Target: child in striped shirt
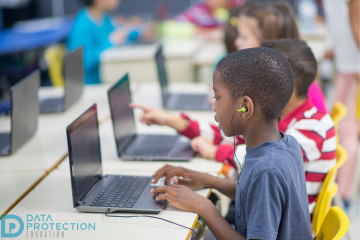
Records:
x=313, y=129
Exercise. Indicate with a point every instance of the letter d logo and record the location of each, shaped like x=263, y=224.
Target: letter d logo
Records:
x=11, y=226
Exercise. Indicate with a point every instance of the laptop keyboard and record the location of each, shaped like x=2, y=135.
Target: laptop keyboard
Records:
x=4, y=142
x=50, y=105
x=156, y=146
x=121, y=192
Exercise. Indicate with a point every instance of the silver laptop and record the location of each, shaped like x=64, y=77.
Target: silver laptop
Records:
x=73, y=84
x=94, y=192
x=177, y=101
x=24, y=114
x=132, y=146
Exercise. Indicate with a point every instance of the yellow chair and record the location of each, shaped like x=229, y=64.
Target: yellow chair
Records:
x=338, y=112
x=335, y=225
x=54, y=58
x=329, y=182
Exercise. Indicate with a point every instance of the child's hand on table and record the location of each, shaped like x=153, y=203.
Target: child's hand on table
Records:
x=160, y=117
x=180, y=196
x=206, y=148
x=182, y=176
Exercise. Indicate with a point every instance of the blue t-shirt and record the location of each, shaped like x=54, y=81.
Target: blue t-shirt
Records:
x=94, y=36
x=271, y=200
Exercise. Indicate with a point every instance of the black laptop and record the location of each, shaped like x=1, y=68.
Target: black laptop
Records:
x=73, y=84
x=132, y=146
x=94, y=192
x=24, y=114
x=177, y=101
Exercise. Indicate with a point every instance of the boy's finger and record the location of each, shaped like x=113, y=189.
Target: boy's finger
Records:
x=132, y=105
x=162, y=189
x=161, y=172
x=165, y=196
x=181, y=181
x=172, y=173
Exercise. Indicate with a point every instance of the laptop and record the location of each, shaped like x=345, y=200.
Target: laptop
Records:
x=24, y=114
x=94, y=192
x=73, y=84
x=177, y=101
x=132, y=146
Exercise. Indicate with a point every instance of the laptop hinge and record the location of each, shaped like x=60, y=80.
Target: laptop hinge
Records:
x=91, y=189
x=132, y=138
x=80, y=203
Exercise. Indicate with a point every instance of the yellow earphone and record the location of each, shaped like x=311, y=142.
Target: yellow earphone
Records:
x=243, y=109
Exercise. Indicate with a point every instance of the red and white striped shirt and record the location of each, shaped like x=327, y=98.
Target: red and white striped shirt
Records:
x=314, y=131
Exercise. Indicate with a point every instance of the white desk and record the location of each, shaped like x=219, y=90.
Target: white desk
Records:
x=139, y=61
x=13, y=185
x=53, y=196
x=49, y=144
x=149, y=93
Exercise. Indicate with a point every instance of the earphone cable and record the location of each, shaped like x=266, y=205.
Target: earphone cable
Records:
x=241, y=165
x=147, y=216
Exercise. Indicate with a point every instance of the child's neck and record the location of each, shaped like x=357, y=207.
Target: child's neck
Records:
x=261, y=132
x=96, y=13
x=293, y=103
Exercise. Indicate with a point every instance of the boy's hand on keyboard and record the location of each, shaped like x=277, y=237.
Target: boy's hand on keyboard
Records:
x=206, y=148
x=182, y=176
x=180, y=196
x=160, y=117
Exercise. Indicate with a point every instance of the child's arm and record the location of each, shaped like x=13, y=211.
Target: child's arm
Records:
x=160, y=117
x=193, y=179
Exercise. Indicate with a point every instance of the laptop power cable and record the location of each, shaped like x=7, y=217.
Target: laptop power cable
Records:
x=147, y=216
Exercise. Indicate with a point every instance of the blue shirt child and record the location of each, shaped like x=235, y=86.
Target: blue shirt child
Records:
x=271, y=199
x=93, y=34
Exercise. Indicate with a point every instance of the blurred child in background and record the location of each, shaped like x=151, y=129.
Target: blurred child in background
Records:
x=342, y=18
x=204, y=14
x=94, y=29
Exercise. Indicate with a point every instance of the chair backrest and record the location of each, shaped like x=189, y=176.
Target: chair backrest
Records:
x=338, y=112
x=335, y=225
x=325, y=206
x=329, y=182
x=54, y=58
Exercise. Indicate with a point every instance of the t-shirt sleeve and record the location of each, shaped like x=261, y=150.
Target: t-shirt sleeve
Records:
x=265, y=201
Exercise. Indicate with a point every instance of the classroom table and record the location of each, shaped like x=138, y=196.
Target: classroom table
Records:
x=49, y=144
x=53, y=197
x=43, y=161
x=13, y=185
x=139, y=61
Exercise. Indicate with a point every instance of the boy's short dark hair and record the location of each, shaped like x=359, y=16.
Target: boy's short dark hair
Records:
x=87, y=2
x=263, y=74
x=301, y=59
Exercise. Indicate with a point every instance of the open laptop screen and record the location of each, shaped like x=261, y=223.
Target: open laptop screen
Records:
x=160, y=65
x=74, y=76
x=122, y=115
x=24, y=110
x=84, y=153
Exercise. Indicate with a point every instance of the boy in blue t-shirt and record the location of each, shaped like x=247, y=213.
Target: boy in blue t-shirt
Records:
x=93, y=28
x=270, y=196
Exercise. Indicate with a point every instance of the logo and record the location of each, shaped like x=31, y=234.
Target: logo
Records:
x=11, y=226
x=39, y=226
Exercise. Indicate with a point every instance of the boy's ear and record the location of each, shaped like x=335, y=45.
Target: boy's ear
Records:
x=248, y=103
